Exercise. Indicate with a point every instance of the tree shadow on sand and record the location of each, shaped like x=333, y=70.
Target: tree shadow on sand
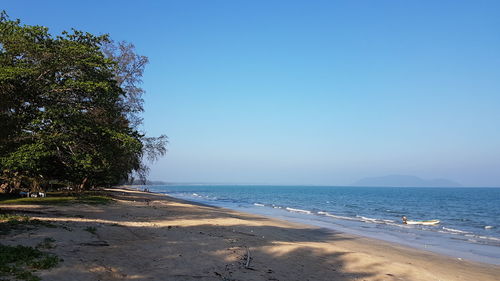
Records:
x=217, y=245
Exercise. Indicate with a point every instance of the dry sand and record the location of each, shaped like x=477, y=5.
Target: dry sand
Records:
x=145, y=236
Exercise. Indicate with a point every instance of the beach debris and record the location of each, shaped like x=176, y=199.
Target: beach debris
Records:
x=95, y=244
x=221, y=276
x=247, y=265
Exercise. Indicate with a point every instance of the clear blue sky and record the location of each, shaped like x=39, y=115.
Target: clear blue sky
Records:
x=309, y=92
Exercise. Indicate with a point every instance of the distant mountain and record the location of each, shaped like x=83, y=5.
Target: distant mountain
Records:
x=405, y=181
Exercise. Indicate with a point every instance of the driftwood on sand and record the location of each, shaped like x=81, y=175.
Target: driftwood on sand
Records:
x=247, y=265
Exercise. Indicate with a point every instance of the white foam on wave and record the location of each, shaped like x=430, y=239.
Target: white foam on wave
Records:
x=258, y=204
x=372, y=220
x=489, y=227
x=473, y=237
x=335, y=216
x=366, y=219
x=298, y=210
x=490, y=238
x=455, y=230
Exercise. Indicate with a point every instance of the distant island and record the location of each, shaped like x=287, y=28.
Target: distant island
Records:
x=405, y=181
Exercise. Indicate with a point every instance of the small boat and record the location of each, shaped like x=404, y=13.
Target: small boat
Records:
x=428, y=222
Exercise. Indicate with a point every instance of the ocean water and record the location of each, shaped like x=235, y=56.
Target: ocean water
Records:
x=470, y=217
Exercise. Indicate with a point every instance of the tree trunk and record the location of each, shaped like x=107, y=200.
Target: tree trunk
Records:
x=82, y=186
x=5, y=188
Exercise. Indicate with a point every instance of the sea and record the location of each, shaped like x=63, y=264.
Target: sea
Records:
x=469, y=225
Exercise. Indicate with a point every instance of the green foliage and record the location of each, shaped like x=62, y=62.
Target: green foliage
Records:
x=7, y=217
x=20, y=261
x=86, y=199
x=46, y=243
x=9, y=222
x=65, y=114
x=91, y=229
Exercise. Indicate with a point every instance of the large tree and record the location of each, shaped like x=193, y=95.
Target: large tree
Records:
x=68, y=110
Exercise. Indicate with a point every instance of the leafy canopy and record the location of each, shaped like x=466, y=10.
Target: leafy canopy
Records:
x=69, y=109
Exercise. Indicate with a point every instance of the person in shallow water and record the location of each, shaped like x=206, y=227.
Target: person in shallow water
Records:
x=405, y=220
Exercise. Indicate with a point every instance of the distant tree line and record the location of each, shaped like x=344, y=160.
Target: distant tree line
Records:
x=70, y=110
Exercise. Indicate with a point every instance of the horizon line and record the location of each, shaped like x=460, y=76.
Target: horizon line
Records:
x=162, y=182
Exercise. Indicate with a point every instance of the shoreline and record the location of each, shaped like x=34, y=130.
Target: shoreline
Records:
x=438, y=241
x=151, y=236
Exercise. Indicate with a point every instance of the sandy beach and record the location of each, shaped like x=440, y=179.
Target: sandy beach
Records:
x=146, y=236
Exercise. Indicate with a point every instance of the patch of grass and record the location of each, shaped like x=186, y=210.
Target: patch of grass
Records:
x=46, y=243
x=85, y=199
x=91, y=229
x=20, y=262
x=6, y=217
x=95, y=200
x=9, y=222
